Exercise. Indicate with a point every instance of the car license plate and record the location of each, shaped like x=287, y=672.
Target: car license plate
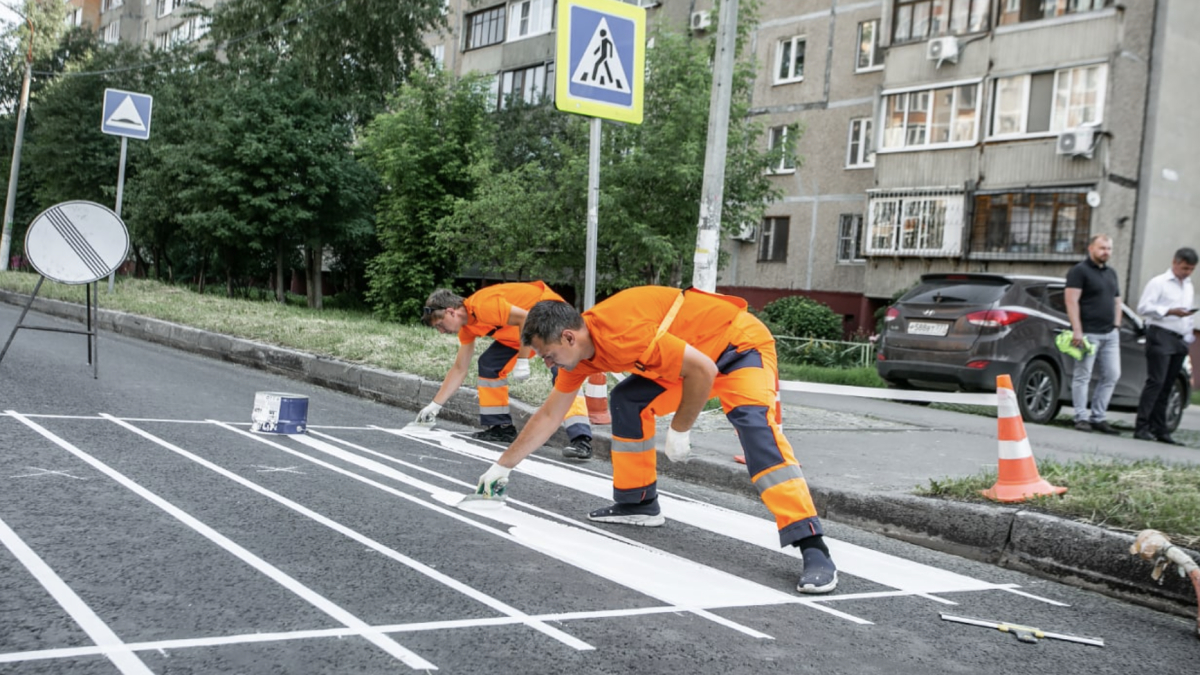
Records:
x=928, y=328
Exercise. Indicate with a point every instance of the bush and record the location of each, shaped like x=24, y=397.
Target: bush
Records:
x=799, y=316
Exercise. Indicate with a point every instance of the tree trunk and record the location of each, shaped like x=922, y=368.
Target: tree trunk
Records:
x=203, y=264
x=280, y=290
x=228, y=283
x=312, y=258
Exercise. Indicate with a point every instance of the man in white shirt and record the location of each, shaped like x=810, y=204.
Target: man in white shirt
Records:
x=1167, y=304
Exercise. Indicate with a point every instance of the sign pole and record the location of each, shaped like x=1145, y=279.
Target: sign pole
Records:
x=120, y=191
x=593, y=212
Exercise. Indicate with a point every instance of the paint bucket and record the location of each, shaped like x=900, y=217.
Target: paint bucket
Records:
x=278, y=413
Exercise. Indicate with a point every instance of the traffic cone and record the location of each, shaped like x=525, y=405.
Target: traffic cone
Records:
x=596, y=395
x=1018, y=475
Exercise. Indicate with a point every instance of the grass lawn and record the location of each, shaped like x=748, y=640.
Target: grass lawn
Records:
x=1123, y=495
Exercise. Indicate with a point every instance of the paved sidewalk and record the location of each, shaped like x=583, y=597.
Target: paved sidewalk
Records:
x=862, y=458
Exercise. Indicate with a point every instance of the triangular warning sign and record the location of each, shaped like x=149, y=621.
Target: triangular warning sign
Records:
x=601, y=65
x=126, y=116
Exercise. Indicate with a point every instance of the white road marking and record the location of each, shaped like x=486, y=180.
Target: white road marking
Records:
x=88, y=620
x=1048, y=601
x=45, y=472
x=273, y=469
x=363, y=539
x=279, y=576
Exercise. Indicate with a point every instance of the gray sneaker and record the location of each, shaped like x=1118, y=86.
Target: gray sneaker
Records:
x=644, y=515
x=580, y=448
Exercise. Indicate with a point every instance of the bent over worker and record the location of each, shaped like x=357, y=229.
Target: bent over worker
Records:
x=497, y=312
x=681, y=348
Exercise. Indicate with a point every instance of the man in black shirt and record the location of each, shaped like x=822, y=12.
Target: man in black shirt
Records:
x=1093, y=297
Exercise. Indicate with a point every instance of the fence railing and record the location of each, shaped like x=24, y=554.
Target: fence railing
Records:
x=826, y=353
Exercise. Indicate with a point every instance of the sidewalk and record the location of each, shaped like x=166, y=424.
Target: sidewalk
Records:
x=862, y=458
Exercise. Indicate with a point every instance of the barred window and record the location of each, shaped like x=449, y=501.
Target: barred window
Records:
x=927, y=224
x=773, y=242
x=1015, y=225
x=486, y=27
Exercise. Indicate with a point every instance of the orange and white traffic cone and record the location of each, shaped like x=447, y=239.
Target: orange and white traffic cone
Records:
x=596, y=395
x=1018, y=475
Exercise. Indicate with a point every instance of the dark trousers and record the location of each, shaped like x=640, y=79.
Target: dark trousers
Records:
x=1165, y=352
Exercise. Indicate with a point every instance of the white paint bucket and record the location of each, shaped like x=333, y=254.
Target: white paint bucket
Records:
x=279, y=413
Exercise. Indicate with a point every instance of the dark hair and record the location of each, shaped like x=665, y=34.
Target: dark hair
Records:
x=1187, y=255
x=547, y=321
x=439, y=300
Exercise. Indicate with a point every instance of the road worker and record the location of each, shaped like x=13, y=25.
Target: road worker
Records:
x=497, y=312
x=681, y=348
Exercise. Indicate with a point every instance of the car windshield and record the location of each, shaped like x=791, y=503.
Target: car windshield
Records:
x=964, y=291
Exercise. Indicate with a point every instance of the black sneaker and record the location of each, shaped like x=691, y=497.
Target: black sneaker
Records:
x=820, y=574
x=580, y=448
x=1166, y=438
x=1083, y=425
x=644, y=515
x=1105, y=428
x=498, y=433
x=1143, y=435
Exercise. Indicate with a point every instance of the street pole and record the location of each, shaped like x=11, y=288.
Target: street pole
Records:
x=120, y=191
x=10, y=204
x=593, y=213
x=708, y=232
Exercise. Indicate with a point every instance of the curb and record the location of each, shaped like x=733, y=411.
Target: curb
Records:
x=1062, y=550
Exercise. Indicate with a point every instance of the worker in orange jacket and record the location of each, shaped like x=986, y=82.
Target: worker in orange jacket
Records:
x=681, y=348
x=497, y=312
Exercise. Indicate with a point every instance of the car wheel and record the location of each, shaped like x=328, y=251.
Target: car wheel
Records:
x=1037, y=393
x=1175, y=405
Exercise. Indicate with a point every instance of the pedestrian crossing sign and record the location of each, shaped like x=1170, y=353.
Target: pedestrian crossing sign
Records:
x=602, y=44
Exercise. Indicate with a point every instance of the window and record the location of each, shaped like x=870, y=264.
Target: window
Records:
x=112, y=32
x=74, y=18
x=773, y=242
x=438, y=52
x=106, y=5
x=781, y=143
x=167, y=6
x=789, y=60
x=529, y=17
x=1049, y=102
x=916, y=20
x=861, y=149
x=850, y=231
x=527, y=84
x=918, y=119
x=870, y=54
x=1019, y=11
x=914, y=224
x=485, y=28
x=1031, y=225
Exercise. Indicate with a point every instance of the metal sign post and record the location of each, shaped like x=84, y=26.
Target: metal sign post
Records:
x=75, y=242
x=126, y=114
x=603, y=46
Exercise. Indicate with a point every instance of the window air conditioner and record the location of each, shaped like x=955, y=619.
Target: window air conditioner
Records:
x=942, y=49
x=748, y=233
x=1076, y=142
x=701, y=20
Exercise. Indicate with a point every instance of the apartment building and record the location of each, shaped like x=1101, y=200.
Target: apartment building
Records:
x=161, y=23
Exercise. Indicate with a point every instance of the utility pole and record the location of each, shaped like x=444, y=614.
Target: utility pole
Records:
x=10, y=204
x=708, y=232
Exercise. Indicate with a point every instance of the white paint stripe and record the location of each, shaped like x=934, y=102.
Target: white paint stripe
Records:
x=346, y=618
x=1016, y=449
x=80, y=612
x=1039, y=598
x=881, y=568
x=892, y=394
x=935, y=598
x=440, y=577
x=257, y=638
x=1006, y=403
x=447, y=497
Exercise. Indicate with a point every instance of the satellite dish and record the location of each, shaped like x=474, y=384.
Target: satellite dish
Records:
x=76, y=242
x=1093, y=198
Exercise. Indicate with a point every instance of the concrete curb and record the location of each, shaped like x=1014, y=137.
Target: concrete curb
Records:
x=1058, y=549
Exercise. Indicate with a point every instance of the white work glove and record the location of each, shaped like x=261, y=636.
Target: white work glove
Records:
x=678, y=446
x=520, y=372
x=493, y=483
x=429, y=413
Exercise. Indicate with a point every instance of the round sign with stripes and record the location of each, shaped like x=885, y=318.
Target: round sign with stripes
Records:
x=76, y=242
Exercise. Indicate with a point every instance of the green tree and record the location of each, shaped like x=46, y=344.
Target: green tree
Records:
x=423, y=151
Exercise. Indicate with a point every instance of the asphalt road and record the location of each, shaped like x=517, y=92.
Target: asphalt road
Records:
x=144, y=529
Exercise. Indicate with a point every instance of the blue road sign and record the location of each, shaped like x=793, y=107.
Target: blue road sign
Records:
x=126, y=114
x=602, y=43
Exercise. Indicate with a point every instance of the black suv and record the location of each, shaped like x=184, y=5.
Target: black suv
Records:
x=959, y=331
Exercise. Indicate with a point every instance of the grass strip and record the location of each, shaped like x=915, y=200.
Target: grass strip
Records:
x=1122, y=495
